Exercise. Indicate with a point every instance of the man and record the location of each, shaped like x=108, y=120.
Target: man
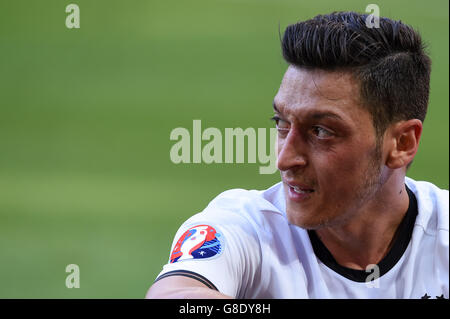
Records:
x=344, y=222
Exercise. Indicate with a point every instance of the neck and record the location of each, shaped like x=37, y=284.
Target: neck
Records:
x=369, y=235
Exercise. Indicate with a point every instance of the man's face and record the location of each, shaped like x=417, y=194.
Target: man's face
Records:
x=327, y=152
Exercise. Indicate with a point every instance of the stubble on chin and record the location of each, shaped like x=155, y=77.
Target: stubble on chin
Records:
x=338, y=215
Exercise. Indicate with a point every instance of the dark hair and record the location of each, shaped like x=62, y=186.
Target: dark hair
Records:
x=388, y=61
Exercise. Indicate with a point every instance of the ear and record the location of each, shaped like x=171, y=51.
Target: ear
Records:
x=404, y=137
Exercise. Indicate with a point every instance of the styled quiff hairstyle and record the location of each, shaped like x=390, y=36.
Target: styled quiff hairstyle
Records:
x=388, y=61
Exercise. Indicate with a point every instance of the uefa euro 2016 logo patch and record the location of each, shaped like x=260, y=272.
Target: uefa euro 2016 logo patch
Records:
x=198, y=242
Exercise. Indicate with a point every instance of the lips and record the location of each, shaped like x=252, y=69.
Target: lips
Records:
x=300, y=188
x=299, y=192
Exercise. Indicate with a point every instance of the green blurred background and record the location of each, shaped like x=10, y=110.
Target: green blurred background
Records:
x=85, y=118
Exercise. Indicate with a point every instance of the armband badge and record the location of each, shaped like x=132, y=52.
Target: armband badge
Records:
x=198, y=242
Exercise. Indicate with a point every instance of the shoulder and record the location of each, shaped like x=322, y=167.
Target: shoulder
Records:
x=252, y=206
x=242, y=215
x=433, y=206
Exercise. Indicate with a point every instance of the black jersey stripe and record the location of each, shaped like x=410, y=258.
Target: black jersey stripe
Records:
x=189, y=274
x=401, y=242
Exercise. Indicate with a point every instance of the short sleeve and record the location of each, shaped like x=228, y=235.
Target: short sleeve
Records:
x=219, y=248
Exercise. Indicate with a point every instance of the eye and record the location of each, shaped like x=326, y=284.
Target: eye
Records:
x=322, y=133
x=282, y=125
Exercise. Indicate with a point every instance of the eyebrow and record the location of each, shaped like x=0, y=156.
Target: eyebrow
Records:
x=316, y=115
x=275, y=107
x=320, y=115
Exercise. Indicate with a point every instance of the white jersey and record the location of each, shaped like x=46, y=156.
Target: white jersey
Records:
x=243, y=245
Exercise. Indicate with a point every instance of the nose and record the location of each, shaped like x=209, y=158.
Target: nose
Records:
x=291, y=151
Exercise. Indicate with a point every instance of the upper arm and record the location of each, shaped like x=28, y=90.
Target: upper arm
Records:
x=177, y=287
x=225, y=262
